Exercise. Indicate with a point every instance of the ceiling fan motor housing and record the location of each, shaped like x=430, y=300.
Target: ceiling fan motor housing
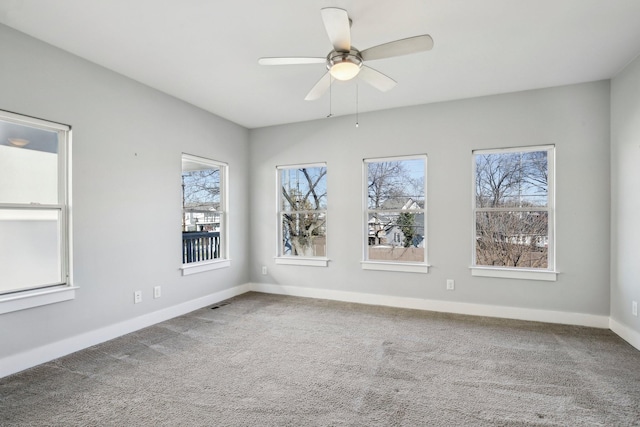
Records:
x=344, y=62
x=344, y=65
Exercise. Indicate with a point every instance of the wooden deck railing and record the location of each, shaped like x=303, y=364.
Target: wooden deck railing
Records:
x=200, y=246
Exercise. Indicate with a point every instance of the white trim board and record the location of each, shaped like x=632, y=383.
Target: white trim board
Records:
x=21, y=361
x=536, y=315
x=626, y=333
x=16, y=363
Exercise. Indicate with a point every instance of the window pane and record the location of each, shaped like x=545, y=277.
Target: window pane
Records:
x=304, y=234
x=28, y=164
x=33, y=240
x=396, y=236
x=304, y=189
x=395, y=184
x=396, y=206
x=203, y=208
x=201, y=197
x=31, y=247
x=512, y=239
x=512, y=179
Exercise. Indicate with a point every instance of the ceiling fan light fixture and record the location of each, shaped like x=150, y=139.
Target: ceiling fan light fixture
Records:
x=344, y=65
x=18, y=142
x=344, y=62
x=344, y=70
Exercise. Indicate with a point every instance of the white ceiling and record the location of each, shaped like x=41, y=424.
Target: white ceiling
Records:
x=205, y=51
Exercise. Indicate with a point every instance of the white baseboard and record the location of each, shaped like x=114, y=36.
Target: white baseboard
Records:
x=626, y=333
x=536, y=315
x=16, y=363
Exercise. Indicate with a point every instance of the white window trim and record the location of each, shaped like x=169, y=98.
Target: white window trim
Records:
x=31, y=298
x=549, y=274
x=224, y=261
x=36, y=298
x=309, y=261
x=387, y=265
x=406, y=267
x=293, y=259
x=199, y=267
x=514, y=273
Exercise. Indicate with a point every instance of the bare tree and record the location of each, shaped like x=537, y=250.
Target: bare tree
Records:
x=511, y=216
x=200, y=192
x=385, y=183
x=303, y=217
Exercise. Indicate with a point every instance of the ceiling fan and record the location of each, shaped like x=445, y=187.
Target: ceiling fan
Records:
x=345, y=62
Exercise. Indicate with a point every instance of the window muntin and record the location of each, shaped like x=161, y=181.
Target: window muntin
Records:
x=395, y=220
x=302, y=211
x=513, y=208
x=34, y=249
x=203, y=210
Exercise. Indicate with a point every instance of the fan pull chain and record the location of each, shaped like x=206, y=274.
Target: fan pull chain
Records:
x=330, y=98
x=357, y=121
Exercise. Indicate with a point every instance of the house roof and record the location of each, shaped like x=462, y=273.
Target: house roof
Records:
x=205, y=52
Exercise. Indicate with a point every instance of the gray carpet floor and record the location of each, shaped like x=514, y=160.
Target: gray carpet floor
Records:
x=267, y=360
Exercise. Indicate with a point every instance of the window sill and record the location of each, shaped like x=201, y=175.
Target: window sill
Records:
x=199, y=267
x=312, y=262
x=395, y=266
x=36, y=298
x=512, y=273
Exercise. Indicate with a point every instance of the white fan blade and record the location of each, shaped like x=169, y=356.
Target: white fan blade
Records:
x=377, y=79
x=319, y=88
x=336, y=22
x=291, y=61
x=398, y=48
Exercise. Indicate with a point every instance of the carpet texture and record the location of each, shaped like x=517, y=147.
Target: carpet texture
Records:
x=268, y=360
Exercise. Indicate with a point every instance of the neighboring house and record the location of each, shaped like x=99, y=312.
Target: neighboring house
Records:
x=200, y=217
x=523, y=239
x=384, y=231
x=536, y=235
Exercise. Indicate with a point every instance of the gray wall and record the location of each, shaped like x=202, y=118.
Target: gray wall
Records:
x=126, y=186
x=574, y=118
x=127, y=145
x=625, y=195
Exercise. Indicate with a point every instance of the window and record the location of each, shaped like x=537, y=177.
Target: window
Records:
x=513, y=211
x=204, y=222
x=34, y=213
x=302, y=215
x=394, y=217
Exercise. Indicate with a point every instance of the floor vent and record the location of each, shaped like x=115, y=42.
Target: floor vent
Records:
x=222, y=304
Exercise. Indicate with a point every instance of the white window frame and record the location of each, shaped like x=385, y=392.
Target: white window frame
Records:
x=409, y=267
x=319, y=261
x=223, y=261
x=542, y=274
x=45, y=294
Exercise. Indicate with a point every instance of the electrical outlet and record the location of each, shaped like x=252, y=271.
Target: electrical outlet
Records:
x=137, y=297
x=451, y=284
x=157, y=292
x=264, y=270
x=634, y=308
